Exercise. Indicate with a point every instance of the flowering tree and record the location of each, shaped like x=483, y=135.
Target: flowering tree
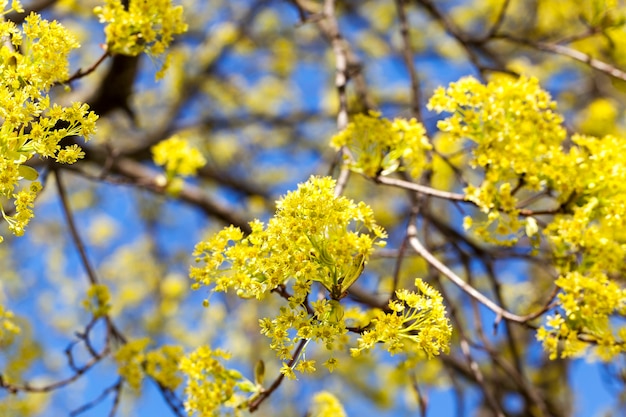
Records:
x=310, y=207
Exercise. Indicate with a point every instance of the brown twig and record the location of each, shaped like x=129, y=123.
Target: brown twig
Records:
x=499, y=20
x=407, y=56
x=80, y=73
x=254, y=405
x=464, y=286
x=422, y=189
x=570, y=53
x=69, y=219
x=105, y=393
x=14, y=388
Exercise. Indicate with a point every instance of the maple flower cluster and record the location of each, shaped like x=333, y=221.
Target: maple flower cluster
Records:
x=98, y=300
x=135, y=361
x=316, y=239
x=8, y=327
x=417, y=318
x=211, y=386
x=377, y=146
x=32, y=60
x=145, y=26
x=517, y=141
x=177, y=157
x=513, y=132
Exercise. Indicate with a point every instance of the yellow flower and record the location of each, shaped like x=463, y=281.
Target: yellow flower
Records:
x=376, y=146
x=145, y=26
x=31, y=124
x=178, y=157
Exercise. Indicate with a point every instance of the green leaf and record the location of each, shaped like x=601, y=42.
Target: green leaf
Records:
x=259, y=372
x=28, y=173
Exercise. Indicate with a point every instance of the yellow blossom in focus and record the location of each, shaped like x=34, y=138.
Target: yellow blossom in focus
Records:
x=417, y=323
x=145, y=26
x=314, y=237
x=211, y=387
x=516, y=142
x=35, y=58
x=376, y=146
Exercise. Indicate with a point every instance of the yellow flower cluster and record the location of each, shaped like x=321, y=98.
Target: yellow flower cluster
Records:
x=590, y=246
x=32, y=60
x=98, y=300
x=8, y=328
x=517, y=145
x=210, y=386
x=325, y=404
x=326, y=327
x=163, y=364
x=146, y=26
x=416, y=318
x=376, y=146
x=314, y=237
x=178, y=157
x=513, y=131
x=587, y=301
x=135, y=362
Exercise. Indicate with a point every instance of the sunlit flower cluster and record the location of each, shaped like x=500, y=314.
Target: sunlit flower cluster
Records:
x=512, y=131
x=211, y=387
x=587, y=301
x=314, y=237
x=145, y=26
x=98, y=301
x=178, y=157
x=417, y=322
x=377, y=146
x=135, y=362
x=32, y=60
x=517, y=145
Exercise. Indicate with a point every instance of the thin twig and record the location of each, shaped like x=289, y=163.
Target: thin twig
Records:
x=421, y=400
x=69, y=219
x=27, y=387
x=480, y=379
x=407, y=56
x=570, y=53
x=254, y=405
x=474, y=369
x=86, y=407
x=499, y=20
x=468, y=289
x=422, y=189
x=80, y=73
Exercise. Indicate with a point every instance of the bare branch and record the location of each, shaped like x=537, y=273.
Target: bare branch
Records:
x=254, y=405
x=570, y=53
x=407, y=56
x=471, y=291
